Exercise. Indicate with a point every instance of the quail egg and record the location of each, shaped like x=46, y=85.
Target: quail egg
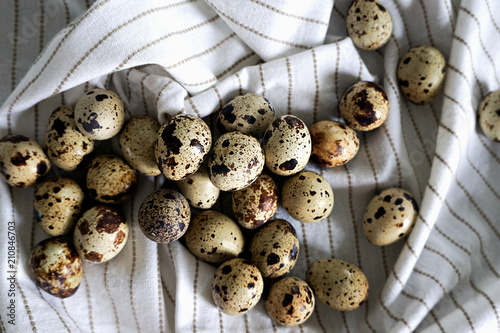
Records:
x=489, y=115
x=198, y=189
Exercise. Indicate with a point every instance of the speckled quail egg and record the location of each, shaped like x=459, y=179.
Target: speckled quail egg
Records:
x=489, y=115
x=66, y=145
x=100, y=114
x=421, y=74
x=100, y=234
x=56, y=267
x=110, y=179
x=308, y=197
x=250, y=114
x=287, y=145
x=198, y=189
x=333, y=143
x=364, y=106
x=290, y=301
x=22, y=161
x=338, y=283
x=214, y=237
x=389, y=216
x=369, y=24
x=275, y=248
x=235, y=162
x=182, y=144
x=137, y=143
x=237, y=286
x=256, y=204
x=58, y=202
x=164, y=216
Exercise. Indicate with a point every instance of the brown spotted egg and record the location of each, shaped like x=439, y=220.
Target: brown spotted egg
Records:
x=99, y=114
x=164, y=216
x=290, y=301
x=237, y=286
x=198, y=189
x=250, y=114
x=137, y=144
x=421, y=74
x=66, y=145
x=235, y=162
x=308, y=197
x=275, y=248
x=56, y=267
x=389, y=216
x=214, y=237
x=110, y=179
x=338, y=283
x=22, y=161
x=182, y=144
x=369, y=24
x=333, y=143
x=100, y=234
x=287, y=145
x=58, y=202
x=489, y=115
x=364, y=106
x=256, y=204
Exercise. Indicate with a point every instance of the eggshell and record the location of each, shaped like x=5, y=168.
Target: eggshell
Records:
x=198, y=189
x=421, y=74
x=338, y=283
x=235, y=162
x=275, y=248
x=164, y=216
x=389, y=216
x=308, y=197
x=489, y=115
x=287, y=145
x=66, y=145
x=256, y=204
x=100, y=234
x=56, y=267
x=237, y=286
x=214, y=237
x=137, y=143
x=22, y=161
x=182, y=144
x=58, y=202
x=99, y=114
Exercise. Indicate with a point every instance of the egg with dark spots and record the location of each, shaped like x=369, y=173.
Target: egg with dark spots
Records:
x=489, y=115
x=333, y=143
x=56, y=267
x=256, y=204
x=198, y=189
x=235, y=162
x=182, y=144
x=338, y=283
x=250, y=114
x=290, y=301
x=110, y=180
x=100, y=114
x=100, y=234
x=214, y=237
x=275, y=248
x=421, y=73
x=369, y=24
x=364, y=106
x=287, y=145
x=164, y=216
x=308, y=197
x=66, y=145
x=57, y=203
x=389, y=216
x=237, y=287
x=22, y=161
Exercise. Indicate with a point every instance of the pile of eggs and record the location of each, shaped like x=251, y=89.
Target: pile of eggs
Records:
x=256, y=147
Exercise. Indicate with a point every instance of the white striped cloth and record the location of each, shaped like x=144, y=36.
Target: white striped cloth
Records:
x=193, y=56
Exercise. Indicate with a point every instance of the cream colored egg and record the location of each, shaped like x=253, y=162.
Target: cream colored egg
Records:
x=489, y=115
x=198, y=189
